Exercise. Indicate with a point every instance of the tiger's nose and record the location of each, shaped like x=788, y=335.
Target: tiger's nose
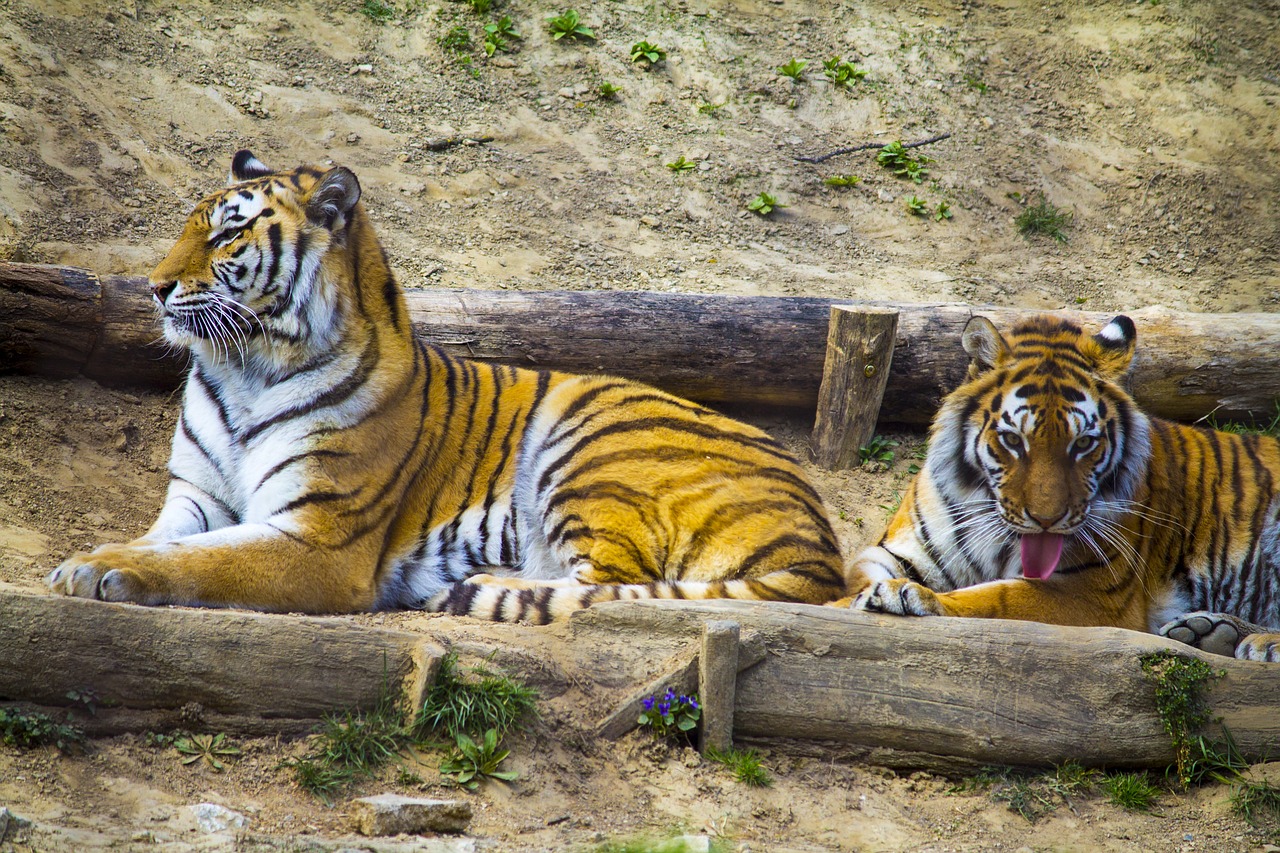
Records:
x=162, y=290
x=1045, y=523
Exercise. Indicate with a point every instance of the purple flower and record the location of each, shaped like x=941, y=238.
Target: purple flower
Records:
x=693, y=703
x=648, y=704
x=664, y=708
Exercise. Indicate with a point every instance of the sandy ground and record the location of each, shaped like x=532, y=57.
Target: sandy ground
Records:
x=1154, y=124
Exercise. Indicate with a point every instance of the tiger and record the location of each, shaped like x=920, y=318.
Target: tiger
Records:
x=326, y=460
x=1047, y=494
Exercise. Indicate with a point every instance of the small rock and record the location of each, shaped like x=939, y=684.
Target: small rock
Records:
x=392, y=814
x=502, y=62
x=212, y=817
x=650, y=221
x=12, y=827
x=885, y=195
x=837, y=230
x=353, y=138
x=361, y=69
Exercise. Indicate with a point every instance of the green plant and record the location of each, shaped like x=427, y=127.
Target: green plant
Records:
x=568, y=24
x=457, y=40
x=86, y=699
x=31, y=729
x=670, y=716
x=841, y=73
x=745, y=764
x=350, y=745
x=975, y=82
x=648, y=53
x=764, y=204
x=471, y=762
x=1131, y=791
x=680, y=164
x=793, y=69
x=458, y=704
x=892, y=506
x=480, y=7
x=1070, y=779
x=679, y=844
x=1271, y=427
x=209, y=748
x=916, y=206
x=894, y=157
x=1024, y=798
x=377, y=11
x=878, y=449
x=842, y=180
x=1180, y=682
x=497, y=35
x=1250, y=799
x=1043, y=218
x=1204, y=46
x=609, y=92
x=710, y=109
x=942, y=211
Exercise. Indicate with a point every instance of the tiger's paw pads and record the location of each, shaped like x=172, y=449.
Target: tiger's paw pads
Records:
x=1216, y=633
x=1260, y=647
x=91, y=576
x=898, y=597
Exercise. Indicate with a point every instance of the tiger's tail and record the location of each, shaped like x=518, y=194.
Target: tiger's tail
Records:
x=543, y=603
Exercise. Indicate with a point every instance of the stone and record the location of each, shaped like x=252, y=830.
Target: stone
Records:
x=211, y=818
x=12, y=827
x=392, y=814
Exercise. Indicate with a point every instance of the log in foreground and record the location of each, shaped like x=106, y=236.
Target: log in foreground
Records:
x=755, y=350
x=160, y=667
x=985, y=690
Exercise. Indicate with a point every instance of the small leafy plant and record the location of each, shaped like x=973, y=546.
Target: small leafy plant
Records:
x=1180, y=683
x=745, y=764
x=842, y=180
x=764, y=204
x=480, y=7
x=942, y=211
x=841, y=73
x=975, y=82
x=568, y=24
x=31, y=729
x=680, y=164
x=648, y=53
x=211, y=749
x=878, y=450
x=917, y=207
x=377, y=11
x=710, y=109
x=671, y=716
x=1043, y=218
x=457, y=40
x=894, y=157
x=498, y=35
x=793, y=69
x=471, y=762
x=608, y=91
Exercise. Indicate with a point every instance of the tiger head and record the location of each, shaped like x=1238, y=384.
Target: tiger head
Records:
x=253, y=275
x=1042, y=442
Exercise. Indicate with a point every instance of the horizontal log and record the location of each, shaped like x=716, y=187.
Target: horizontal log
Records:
x=756, y=350
x=982, y=690
x=247, y=672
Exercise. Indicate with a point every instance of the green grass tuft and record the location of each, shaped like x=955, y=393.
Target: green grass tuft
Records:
x=745, y=764
x=1044, y=218
x=472, y=705
x=1131, y=791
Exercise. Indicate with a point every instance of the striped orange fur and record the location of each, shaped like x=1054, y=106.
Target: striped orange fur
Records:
x=1048, y=495
x=327, y=461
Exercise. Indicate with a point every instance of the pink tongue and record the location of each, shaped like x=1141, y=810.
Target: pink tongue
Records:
x=1040, y=554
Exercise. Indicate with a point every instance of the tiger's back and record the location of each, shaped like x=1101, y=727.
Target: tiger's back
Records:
x=1049, y=495
x=327, y=461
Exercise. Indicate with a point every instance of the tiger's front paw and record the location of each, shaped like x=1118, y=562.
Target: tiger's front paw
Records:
x=1216, y=633
x=899, y=597
x=95, y=576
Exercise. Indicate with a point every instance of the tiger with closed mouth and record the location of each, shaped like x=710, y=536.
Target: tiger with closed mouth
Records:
x=1048, y=495
x=325, y=460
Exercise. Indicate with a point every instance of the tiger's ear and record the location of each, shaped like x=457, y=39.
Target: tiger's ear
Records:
x=1111, y=350
x=984, y=344
x=332, y=199
x=246, y=167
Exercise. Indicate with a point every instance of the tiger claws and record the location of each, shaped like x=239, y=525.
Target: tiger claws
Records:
x=898, y=597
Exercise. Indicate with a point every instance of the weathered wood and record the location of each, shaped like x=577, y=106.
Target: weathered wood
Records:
x=757, y=350
x=717, y=683
x=977, y=689
x=860, y=342
x=250, y=671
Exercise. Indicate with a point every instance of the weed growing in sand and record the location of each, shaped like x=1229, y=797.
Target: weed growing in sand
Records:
x=793, y=69
x=895, y=158
x=459, y=704
x=377, y=11
x=764, y=204
x=1044, y=218
x=878, y=449
x=680, y=164
x=498, y=35
x=647, y=53
x=745, y=764
x=211, y=749
x=842, y=180
x=1131, y=791
x=568, y=24
x=1180, y=682
x=31, y=729
x=470, y=763
x=842, y=74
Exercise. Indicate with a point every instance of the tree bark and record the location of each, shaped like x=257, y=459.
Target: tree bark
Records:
x=753, y=350
x=860, y=343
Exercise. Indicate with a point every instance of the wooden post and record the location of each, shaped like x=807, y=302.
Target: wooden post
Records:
x=860, y=343
x=717, y=684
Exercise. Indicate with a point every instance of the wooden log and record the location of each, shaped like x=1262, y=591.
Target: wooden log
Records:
x=860, y=342
x=717, y=683
x=755, y=350
x=984, y=690
x=235, y=670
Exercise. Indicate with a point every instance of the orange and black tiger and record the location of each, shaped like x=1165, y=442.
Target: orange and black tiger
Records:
x=325, y=460
x=1048, y=495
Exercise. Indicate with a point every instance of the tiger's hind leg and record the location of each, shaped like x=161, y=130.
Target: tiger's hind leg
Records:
x=1224, y=634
